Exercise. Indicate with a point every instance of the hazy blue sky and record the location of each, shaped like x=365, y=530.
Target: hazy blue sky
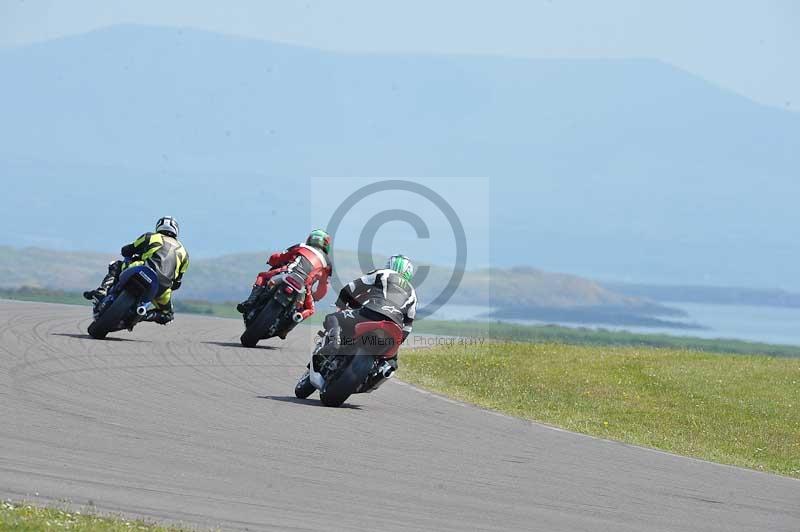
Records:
x=750, y=47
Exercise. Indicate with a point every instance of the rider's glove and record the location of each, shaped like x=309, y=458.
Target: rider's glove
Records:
x=297, y=317
x=127, y=251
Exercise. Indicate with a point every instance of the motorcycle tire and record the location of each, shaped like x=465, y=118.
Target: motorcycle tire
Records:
x=258, y=327
x=111, y=317
x=336, y=392
x=304, y=388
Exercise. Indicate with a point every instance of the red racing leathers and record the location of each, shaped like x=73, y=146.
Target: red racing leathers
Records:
x=308, y=261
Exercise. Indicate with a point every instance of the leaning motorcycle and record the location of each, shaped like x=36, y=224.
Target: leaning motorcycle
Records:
x=352, y=366
x=276, y=310
x=127, y=303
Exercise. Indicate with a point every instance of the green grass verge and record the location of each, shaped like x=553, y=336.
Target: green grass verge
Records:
x=28, y=518
x=185, y=306
x=741, y=410
x=583, y=336
x=45, y=295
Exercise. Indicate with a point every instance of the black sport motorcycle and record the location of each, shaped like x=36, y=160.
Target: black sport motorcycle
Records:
x=276, y=311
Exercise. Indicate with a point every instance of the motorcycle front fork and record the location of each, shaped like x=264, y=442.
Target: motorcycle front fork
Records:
x=314, y=376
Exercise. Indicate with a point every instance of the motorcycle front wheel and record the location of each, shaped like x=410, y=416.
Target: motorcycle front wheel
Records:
x=304, y=388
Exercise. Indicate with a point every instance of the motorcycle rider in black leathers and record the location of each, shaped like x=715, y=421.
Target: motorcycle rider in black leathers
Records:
x=380, y=295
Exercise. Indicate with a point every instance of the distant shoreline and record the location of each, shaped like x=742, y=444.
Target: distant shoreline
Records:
x=710, y=295
x=618, y=316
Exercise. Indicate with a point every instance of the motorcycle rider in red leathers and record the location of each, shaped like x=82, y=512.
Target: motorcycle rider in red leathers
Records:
x=309, y=260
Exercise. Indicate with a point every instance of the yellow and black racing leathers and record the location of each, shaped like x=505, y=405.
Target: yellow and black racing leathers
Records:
x=165, y=255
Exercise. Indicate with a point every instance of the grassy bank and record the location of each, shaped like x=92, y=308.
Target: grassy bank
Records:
x=28, y=518
x=43, y=295
x=184, y=306
x=583, y=336
x=742, y=410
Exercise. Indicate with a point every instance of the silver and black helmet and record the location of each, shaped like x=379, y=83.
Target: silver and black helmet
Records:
x=168, y=226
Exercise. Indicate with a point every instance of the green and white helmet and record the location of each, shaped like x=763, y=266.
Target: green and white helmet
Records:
x=319, y=239
x=402, y=265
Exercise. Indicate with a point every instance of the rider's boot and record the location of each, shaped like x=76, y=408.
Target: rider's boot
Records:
x=248, y=303
x=114, y=269
x=327, y=345
x=161, y=316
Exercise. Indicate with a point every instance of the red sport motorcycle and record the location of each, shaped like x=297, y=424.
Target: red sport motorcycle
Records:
x=352, y=366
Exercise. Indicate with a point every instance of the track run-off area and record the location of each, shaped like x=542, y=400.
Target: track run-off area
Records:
x=181, y=424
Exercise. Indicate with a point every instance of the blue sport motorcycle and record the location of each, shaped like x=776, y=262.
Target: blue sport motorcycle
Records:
x=127, y=303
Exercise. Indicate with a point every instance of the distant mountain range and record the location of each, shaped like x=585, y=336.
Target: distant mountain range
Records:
x=621, y=169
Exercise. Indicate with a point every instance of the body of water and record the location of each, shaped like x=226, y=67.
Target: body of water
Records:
x=774, y=325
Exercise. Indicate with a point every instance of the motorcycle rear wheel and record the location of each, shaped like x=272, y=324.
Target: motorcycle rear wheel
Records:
x=336, y=392
x=258, y=327
x=109, y=319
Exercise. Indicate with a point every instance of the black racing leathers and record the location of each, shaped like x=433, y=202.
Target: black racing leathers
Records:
x=383, y=292
x=378, y=295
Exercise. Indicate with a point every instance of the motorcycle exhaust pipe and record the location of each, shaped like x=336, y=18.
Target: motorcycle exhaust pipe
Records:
x=386, y=370
x=141, y=310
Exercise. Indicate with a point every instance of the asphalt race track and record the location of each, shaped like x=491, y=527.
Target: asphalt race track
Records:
x=185, y=425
